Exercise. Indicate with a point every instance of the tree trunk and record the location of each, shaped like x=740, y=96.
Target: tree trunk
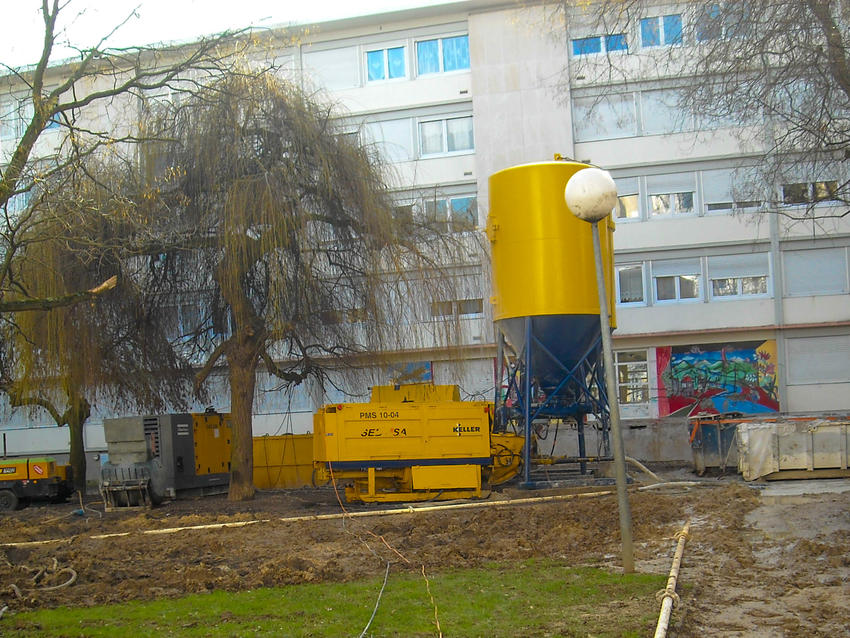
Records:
x=242, y=359
x=76, y=416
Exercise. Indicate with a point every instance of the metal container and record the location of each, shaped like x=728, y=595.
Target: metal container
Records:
x=794, y=447
x=712, y=441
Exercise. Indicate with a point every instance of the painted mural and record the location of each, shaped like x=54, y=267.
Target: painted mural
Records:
x=717, y=378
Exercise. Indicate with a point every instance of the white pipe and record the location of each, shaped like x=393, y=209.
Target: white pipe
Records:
x=325, y=517
x=668, y=595
x=643, y=468
x=658, y=486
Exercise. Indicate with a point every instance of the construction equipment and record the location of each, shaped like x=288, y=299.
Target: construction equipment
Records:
x=25, y=479
x=151, y=458
x=414, y=442
x=546, y=310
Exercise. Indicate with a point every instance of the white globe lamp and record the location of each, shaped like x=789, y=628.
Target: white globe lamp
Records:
x=591, y=194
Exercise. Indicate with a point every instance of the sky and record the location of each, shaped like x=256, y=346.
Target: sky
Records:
x=84, y=22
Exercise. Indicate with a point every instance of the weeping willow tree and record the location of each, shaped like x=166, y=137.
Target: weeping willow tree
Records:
x=283, y=233
x=110, y=351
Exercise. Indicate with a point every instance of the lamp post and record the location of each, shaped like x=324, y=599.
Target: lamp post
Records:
x=591, y=196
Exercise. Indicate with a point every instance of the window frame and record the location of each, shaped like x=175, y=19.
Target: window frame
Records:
x=811, y=197
x=443, y=119
x=448, y=220
x=675, y=212
x=19, y=114
x=642, y=386
x=661, y=26
x=385, y=50
x=440, y=55
x=643, y=299
x=604, y=41
x=452, y=309
x=790, y=271
x=678, y=274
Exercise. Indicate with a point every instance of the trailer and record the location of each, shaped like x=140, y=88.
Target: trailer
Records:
x=25, y=479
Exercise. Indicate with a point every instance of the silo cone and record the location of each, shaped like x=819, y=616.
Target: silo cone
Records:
x=543, y=265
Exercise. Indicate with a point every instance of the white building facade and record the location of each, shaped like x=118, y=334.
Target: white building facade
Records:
x=724, y=305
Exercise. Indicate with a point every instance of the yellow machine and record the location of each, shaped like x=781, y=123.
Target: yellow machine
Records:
x=24, y=479
x=151, y=458
x=412, y=443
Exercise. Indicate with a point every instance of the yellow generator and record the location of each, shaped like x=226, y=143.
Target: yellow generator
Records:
x=412, y=443
x=151, y=458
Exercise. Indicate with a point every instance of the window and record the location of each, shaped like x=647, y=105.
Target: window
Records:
x=18, y=203
x=392, y=138
x=738, y=275
x=183, y=320
x=628, y=201
x=53, y=123
x=15, y=115
x=824, y=359
x=600, y=44
x=605, y=117
x=717, y=192
x=451, y=135
x=809, y=192
x=442, y=55
x=630, y=284
x=456, y=214
x=458, y=307
x=671, y=194
x=632, y=376
x=661, y=30
x=716, y=22
x=818, y=271
x=403, y=214
x=676, y=280
x=333, y=68
x=661, y=114
x=386, y=64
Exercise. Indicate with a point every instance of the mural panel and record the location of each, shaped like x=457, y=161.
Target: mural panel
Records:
x=717, y=378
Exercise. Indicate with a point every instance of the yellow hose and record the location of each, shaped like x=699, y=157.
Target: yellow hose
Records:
x=668, y=595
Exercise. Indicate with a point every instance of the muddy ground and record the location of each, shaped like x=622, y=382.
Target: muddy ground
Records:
x=756, y=564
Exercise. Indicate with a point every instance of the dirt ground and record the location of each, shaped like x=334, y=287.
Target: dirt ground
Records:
x=756, y=563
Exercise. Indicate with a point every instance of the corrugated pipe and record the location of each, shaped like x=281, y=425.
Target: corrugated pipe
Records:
x=668, y=595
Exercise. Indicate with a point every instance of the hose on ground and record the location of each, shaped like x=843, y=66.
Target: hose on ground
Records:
x=644, y=469
x=40, y=572
x=668, y=595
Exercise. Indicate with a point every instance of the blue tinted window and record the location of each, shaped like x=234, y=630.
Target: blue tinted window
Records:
x=375, y=65
x=463, y=212
x=456, y=53
x=650, y=34
x=673, y=29
x=709, y=26
x=616, y=42
x=583, y=46
x=395, y=62
x=428, y=56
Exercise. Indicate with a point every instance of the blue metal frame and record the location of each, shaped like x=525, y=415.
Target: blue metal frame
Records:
x=575, y=380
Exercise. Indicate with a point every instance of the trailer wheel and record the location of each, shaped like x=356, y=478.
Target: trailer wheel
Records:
x=8, y=500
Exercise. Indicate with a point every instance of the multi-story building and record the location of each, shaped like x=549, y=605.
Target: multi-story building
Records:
x=723, y=304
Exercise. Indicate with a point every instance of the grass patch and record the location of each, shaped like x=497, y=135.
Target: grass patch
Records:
x=532, y=598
